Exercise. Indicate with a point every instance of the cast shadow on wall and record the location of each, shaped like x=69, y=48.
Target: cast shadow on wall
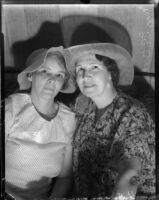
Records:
x=87, y=29
x=49, y=35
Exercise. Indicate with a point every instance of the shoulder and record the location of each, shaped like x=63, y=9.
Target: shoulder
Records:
x=131, y=106
x=17, y=101
x=66, y=115
x=134, y=120
x=129, y=101
x=132, y=115
x=65, y=110
x=17, y=98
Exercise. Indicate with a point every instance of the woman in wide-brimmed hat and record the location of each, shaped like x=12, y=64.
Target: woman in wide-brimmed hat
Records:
x=39, y=130
x=114, y=142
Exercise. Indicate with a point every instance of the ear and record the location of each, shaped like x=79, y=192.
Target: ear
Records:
x=29, y=77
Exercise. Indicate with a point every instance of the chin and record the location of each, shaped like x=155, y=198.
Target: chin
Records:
x=89, y=94
x=48, y=96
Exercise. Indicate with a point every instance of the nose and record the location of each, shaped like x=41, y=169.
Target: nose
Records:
x=86, y=74
x=51, y=78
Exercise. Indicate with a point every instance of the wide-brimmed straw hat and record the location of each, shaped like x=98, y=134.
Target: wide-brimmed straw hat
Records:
x=35, y=61
x=113, y=51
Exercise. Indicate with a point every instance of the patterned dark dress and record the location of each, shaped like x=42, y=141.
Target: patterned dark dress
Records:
x=124, y=130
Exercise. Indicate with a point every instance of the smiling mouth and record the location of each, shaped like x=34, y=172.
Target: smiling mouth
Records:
x=88, y=86
x=49, y=89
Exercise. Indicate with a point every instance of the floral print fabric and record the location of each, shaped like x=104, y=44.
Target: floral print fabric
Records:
x=125, y=130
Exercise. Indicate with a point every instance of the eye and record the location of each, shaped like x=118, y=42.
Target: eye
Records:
x=79, y=69
x=42, y=71
x=94, y=67
x=60, y=76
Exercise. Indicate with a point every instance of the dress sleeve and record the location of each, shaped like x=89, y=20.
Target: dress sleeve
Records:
x=8, y=116
x=72, y=125
x=68, y=123
x=135, y=139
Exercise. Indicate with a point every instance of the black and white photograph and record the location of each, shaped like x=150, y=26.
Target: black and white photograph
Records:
x=78, y=101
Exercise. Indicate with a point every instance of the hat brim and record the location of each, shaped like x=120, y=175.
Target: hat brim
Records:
x=33, y=66
x=116, y=52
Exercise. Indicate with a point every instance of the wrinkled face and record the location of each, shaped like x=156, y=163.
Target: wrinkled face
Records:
x=49, y=79
x=92, y=76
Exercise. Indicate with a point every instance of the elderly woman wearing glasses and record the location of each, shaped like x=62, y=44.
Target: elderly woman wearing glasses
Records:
x=39, y=129
x=114, y=153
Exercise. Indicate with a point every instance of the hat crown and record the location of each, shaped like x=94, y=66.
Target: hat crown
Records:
x=34, y=56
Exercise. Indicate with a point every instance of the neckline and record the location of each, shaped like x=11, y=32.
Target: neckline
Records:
x=43, y=116
x=48, y=118
x=100, y=112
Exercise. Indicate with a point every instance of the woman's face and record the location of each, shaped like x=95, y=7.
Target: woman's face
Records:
x=92, y=76
x=49, y=79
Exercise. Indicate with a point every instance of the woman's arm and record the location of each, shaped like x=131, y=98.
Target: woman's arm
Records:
x=8, y=117
x=64, y=182
x=134, y=147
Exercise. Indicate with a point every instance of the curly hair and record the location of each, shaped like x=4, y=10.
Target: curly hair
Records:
x=111, y=66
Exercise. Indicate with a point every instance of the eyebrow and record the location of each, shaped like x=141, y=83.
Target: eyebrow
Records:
x=62, y=72
x=79, y=66
x=50, y=68
x=94, y=63
x=89, y=64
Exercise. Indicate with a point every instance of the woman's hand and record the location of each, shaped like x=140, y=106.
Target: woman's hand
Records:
x=124, y=188
x=127, y=182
